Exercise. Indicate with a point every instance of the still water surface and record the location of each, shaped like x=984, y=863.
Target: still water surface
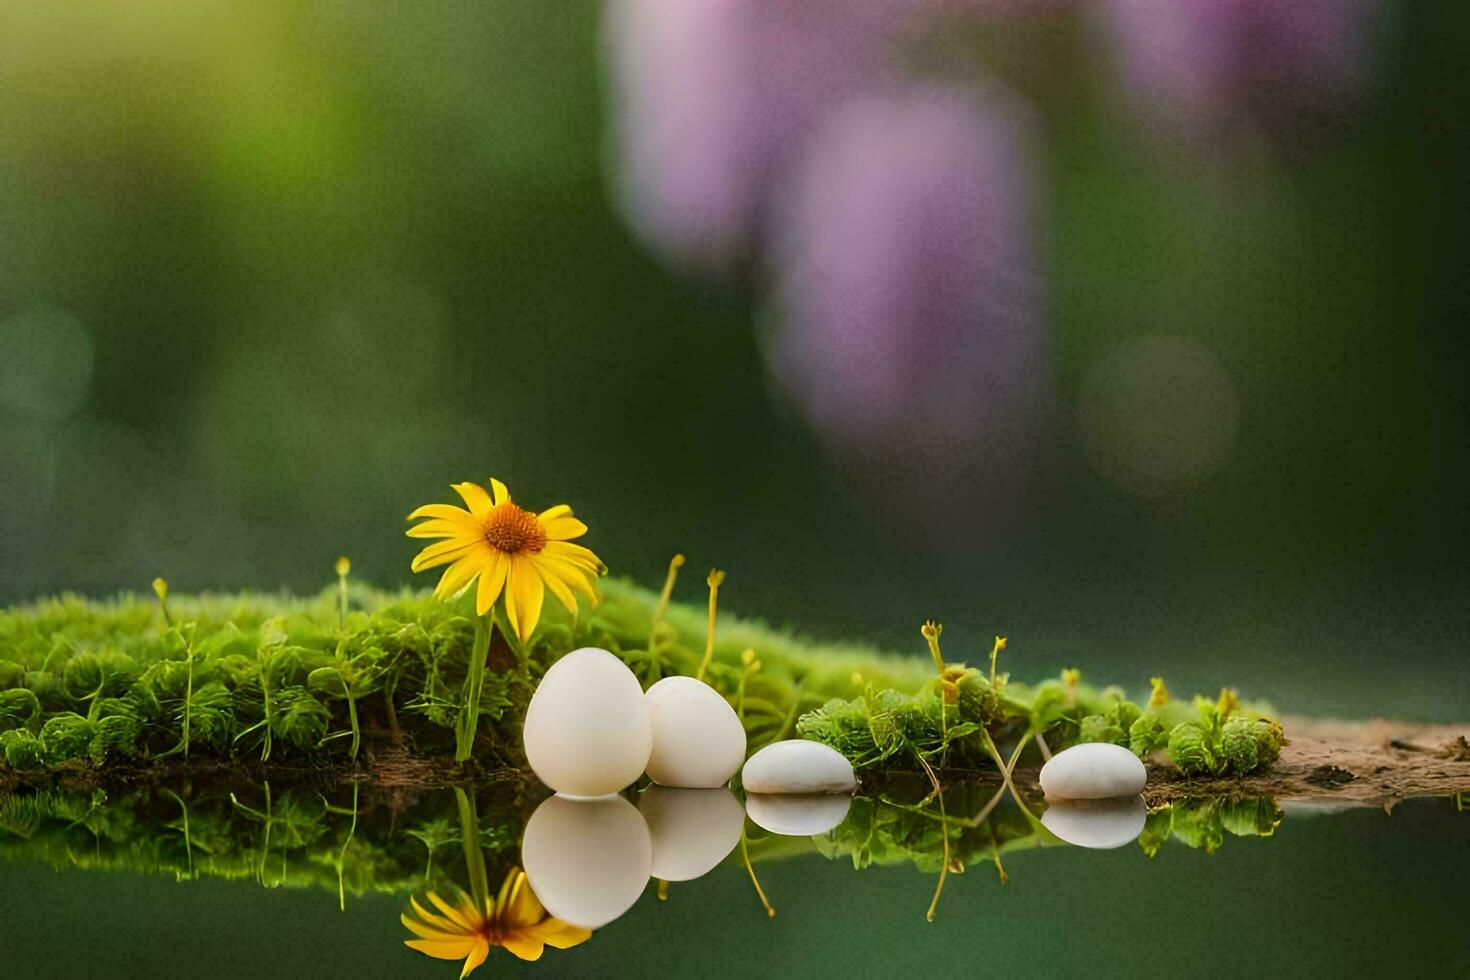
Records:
x=92, y=885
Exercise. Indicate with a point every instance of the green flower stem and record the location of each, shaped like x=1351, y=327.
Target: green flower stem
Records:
x=474, y=685
x=474, y=857
x=352, y=716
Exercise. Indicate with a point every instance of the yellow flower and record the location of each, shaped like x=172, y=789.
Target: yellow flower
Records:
x=510, y=550
x=515, y=920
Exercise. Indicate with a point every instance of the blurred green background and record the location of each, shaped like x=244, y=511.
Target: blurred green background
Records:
x=272, y=274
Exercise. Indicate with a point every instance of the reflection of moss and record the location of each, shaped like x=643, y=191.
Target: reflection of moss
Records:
x=278, y=836
x=1203, y=822
x=886, y=831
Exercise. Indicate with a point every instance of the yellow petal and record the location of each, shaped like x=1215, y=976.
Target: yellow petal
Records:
x=430, y=919
x=552, y=513
x=521, y=907
x=522, y=945
x=574, y=553
x=558, y=587
x=563, y=528
x=475, y=498
x=476, y=957
x=573, y=575
x=448, y=512
x=456, y=949
x=426, y=931
x=524, y=592
x=561, y=935
x=507, y=888
x=441, y=528
x=461, y=574
x=464, y=916
x=492, y=580
x=502, y=495
x=440, y=553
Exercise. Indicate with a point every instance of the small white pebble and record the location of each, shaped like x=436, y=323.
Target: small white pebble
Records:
x=698, y=742
x=798, y=766
x=1093, y=771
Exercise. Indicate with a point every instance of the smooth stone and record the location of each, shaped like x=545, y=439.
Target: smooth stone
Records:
x=587, y=731
x=698, y=742
x=797, y=814
x=587, y=860
x=798, y=766
x=1099, y=824
x=692, y=829
x=1093, y=771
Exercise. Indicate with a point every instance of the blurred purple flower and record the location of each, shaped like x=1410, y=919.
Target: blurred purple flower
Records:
x=711, y=96
x=910, y=326
x=1203, y=64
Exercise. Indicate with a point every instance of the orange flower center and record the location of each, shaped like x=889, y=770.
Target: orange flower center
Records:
x=512, y=530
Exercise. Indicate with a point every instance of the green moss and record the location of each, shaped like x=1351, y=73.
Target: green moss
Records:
x=289, y=680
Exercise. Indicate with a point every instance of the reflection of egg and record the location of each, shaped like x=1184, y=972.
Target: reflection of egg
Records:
x=587, y=730
x=697, y=739
x=692, y=829
x=1097, y=824
x=797, y=814
x=587, y=860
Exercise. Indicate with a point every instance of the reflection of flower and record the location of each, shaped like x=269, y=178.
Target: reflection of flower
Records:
x=509, y=549
x=466, y=930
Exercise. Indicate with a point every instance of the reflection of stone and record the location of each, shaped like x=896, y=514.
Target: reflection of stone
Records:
x=1099, y=824
x=797, y=814
x=587, y=860
x=692, y=829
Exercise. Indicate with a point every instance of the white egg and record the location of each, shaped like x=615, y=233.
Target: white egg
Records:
x=798, y=766
x=797, y=814
x=1100, y=824
x=698, y=742
x=692, y=829
x=1092, y=771
x=587, y=731
x=587, y=860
